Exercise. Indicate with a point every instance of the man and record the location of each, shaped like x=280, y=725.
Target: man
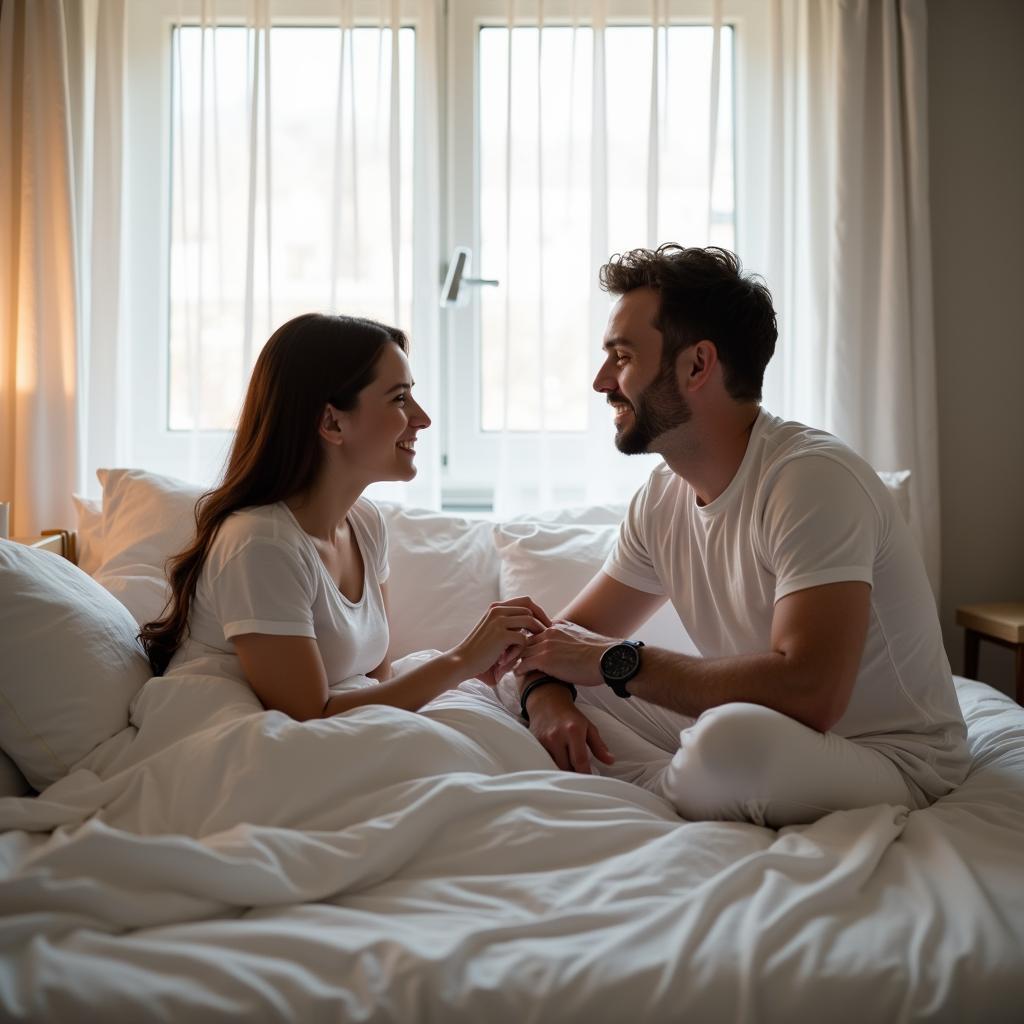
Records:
x=822, y=683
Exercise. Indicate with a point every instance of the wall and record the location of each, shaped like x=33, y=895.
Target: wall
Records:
x=976, y=124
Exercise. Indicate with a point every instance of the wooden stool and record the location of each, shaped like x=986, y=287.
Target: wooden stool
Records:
x=1003, y=624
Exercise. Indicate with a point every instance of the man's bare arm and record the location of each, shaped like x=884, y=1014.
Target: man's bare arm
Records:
x=817, y=642
x=607, y=606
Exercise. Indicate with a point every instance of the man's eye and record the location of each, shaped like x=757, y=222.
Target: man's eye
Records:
x=620, y=358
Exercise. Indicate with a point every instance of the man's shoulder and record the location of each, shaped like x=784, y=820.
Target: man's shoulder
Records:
x=784, y=438
x=784, y=442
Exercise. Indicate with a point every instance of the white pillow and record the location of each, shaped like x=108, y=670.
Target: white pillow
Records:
x=444, y=574
x=552, y=564
x=147, y=518
x=71, y=665
x=90, y=532
x=12, y=782
x=898, y=482
x=578, y=515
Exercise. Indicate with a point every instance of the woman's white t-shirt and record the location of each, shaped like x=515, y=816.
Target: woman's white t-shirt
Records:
x=263, y=575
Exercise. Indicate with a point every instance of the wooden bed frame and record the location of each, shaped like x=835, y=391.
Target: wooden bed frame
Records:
x=60, y=542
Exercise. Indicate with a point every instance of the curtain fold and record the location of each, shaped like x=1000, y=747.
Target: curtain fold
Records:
x=847, y=246
x=39, y=309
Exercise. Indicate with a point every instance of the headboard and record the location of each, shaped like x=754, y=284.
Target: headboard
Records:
x=60, y=542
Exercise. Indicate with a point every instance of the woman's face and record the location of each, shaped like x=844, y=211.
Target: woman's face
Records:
x=378, y=436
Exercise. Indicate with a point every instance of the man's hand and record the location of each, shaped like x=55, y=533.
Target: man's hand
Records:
x=564, y=731
x=565, y=651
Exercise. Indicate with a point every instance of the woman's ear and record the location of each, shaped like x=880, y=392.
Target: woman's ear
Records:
x=330, y=425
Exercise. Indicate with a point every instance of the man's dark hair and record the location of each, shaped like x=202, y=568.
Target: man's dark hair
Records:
x=704, y=294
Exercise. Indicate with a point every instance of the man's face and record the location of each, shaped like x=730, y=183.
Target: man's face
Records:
x=644, y=395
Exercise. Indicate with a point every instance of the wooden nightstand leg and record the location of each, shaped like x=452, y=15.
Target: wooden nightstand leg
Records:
x=971, y=639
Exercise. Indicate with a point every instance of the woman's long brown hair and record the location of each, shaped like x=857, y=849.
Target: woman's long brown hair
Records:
x=308, y=362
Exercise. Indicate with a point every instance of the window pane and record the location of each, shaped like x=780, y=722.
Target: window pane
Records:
x=550, y=163
x=329, y=239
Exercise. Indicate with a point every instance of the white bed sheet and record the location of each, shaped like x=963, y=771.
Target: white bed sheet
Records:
x=220, y=863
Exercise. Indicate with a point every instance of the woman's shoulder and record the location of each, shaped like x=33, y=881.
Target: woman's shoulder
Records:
x=369, y=515
x=261, y=524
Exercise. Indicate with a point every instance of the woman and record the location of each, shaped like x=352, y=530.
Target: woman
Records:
x=284, y=585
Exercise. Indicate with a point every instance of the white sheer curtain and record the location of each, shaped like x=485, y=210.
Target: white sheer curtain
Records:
x=836, y=219
x=833, y=211
x=612, y=140
x=844, y=240
x=304, y=179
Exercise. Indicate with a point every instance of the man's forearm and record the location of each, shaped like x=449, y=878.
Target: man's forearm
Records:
x=690, y=685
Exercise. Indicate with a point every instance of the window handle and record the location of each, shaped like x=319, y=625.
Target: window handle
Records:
x=452, y=292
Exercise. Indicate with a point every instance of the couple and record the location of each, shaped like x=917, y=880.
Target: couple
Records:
x=823, y=683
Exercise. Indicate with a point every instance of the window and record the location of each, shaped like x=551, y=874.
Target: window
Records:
x=360, y=198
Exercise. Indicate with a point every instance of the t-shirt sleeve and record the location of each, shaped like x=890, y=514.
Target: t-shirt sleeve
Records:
x=264, y=587
x=630, y=561
x=820, y=525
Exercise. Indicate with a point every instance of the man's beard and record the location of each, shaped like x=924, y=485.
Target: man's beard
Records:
x=659, y=408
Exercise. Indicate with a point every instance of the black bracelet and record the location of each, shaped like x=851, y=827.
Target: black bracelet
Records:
x=541, y=681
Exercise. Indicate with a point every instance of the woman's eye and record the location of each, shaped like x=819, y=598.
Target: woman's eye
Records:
x=401, y=398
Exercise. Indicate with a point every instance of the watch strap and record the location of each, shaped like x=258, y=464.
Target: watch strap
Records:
x=535, y=684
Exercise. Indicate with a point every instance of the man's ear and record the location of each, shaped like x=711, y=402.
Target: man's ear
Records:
x=330, y=425
x=696, y=364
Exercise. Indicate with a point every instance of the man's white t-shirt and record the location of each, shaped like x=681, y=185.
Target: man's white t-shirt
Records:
x=262, y=574
x=804, y=510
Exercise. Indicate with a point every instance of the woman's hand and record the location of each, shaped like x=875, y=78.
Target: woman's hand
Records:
x=567, y=652
x=499, y=636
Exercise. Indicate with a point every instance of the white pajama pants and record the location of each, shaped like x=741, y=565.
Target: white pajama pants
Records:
x=740, y=762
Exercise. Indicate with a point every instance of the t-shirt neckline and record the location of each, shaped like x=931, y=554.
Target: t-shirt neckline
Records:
x=735, y=485
x=333, y=586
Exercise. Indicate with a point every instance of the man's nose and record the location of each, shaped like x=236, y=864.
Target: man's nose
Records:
x=605, y=380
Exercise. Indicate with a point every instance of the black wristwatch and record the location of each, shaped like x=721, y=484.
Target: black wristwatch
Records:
x=620, y=663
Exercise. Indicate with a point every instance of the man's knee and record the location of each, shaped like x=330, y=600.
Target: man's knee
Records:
x=733, y=741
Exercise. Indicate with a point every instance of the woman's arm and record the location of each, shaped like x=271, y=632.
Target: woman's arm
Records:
x=287, y=672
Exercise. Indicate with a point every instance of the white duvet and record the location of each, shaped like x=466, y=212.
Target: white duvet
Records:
x=215, y=862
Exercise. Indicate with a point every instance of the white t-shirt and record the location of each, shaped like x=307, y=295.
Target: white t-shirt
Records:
x=804, y=510
x=263, y=575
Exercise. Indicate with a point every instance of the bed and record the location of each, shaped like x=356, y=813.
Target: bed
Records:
x=208, y=861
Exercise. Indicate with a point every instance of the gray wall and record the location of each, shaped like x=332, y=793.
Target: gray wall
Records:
x=976, y=124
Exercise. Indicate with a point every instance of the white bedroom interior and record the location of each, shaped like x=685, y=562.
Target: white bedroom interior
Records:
x=179, y=177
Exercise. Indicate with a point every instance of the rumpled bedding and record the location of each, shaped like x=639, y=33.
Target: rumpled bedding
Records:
x=215, y=861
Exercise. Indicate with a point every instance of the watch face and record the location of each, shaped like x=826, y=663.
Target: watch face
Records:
x=620, y=661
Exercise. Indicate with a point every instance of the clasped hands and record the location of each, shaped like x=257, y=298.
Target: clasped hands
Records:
x=563, y=650
x=517, y=634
